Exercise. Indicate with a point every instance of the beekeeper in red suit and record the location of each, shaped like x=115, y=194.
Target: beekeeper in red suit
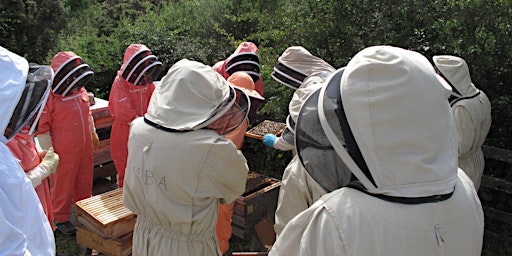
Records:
x=25, y=229
x=472, y=112
x=180, y=166
x=246, y=59
x=387, y=118
x=37, y=165
x=129, y=98
x=241, y=81
x=298, y=69
x=66, y=125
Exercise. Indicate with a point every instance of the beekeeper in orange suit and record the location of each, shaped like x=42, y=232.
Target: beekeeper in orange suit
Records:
x=472, y=112
x=241, y=81
x=66, y=124
x=180, y=166
x=37, y=166
x=246, y=59
x=25, y=229
x=387, y=118
x=129, y=98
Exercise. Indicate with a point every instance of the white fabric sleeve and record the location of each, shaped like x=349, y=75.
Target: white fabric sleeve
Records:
x=224, y=171
x=297, y=193
x=312, y=232
x=465, y=130
x=282, y=145
x=45, y=140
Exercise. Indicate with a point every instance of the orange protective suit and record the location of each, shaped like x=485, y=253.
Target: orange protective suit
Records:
x=224, y=230
x=68, y=120
x=24, y=149
x=220, y=66
x=126, y=102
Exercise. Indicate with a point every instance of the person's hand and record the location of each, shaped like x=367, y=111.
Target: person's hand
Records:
x=50, y=161
x=269, y=139
x=95, y=140
x=45, y=168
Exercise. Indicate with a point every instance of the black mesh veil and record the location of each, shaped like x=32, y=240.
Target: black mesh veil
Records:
x=315, y=151
x=74, y=73
x=142, y=68
x=32, y=101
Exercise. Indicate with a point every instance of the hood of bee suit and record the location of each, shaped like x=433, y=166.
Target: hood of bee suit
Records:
x=131, y=50
x=296, y=64
x=14, y=71
x=60, y=58
x=243, y=81
x=188, y=96
x=456, y=71
x=387, y=118
x=397, y=111
x=70, y=72
x=245, y=58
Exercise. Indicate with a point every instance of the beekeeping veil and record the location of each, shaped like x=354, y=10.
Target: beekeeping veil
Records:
x=140, y=67
x=385, y=116
x=23, y=94
x=70, y=72
x=192, y=96
x=248, y=62
x=296, y=64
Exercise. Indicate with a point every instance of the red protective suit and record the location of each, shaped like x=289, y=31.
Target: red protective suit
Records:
x=220, y=66
x=24, y=149
x=126, y=102
x=68, y=121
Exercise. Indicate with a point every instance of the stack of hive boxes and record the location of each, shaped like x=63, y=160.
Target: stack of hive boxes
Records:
x=105, y=224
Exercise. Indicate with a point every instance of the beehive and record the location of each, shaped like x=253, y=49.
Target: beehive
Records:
x=121, y=246
x=105, y=215
x=258, y=200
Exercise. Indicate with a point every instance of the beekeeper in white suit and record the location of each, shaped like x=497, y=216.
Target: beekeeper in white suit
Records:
x=298, y=69
x=472, y=112
x=180, y=166
x=24, y=228
x=387, y=117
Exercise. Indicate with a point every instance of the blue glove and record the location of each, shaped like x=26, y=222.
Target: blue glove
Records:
x=269, y=139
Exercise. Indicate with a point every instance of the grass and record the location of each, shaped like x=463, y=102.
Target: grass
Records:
x=67, y=246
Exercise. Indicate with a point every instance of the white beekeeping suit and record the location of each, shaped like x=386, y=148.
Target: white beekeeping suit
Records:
x=298, y=69
x=387, y=118
x=24, y=228
x=472, y=112
x=180, y=166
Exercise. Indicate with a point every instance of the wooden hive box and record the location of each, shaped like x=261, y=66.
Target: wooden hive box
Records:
x=258, y=200
x=105, y=215
x=103, y=164
x=121, y=246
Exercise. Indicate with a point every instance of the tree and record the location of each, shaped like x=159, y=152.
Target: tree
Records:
x=31, y=28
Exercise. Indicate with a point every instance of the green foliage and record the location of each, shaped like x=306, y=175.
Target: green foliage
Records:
x=31, y=28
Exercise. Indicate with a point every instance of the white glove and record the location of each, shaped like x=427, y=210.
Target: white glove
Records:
x=45, y=140
x=46, y=167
